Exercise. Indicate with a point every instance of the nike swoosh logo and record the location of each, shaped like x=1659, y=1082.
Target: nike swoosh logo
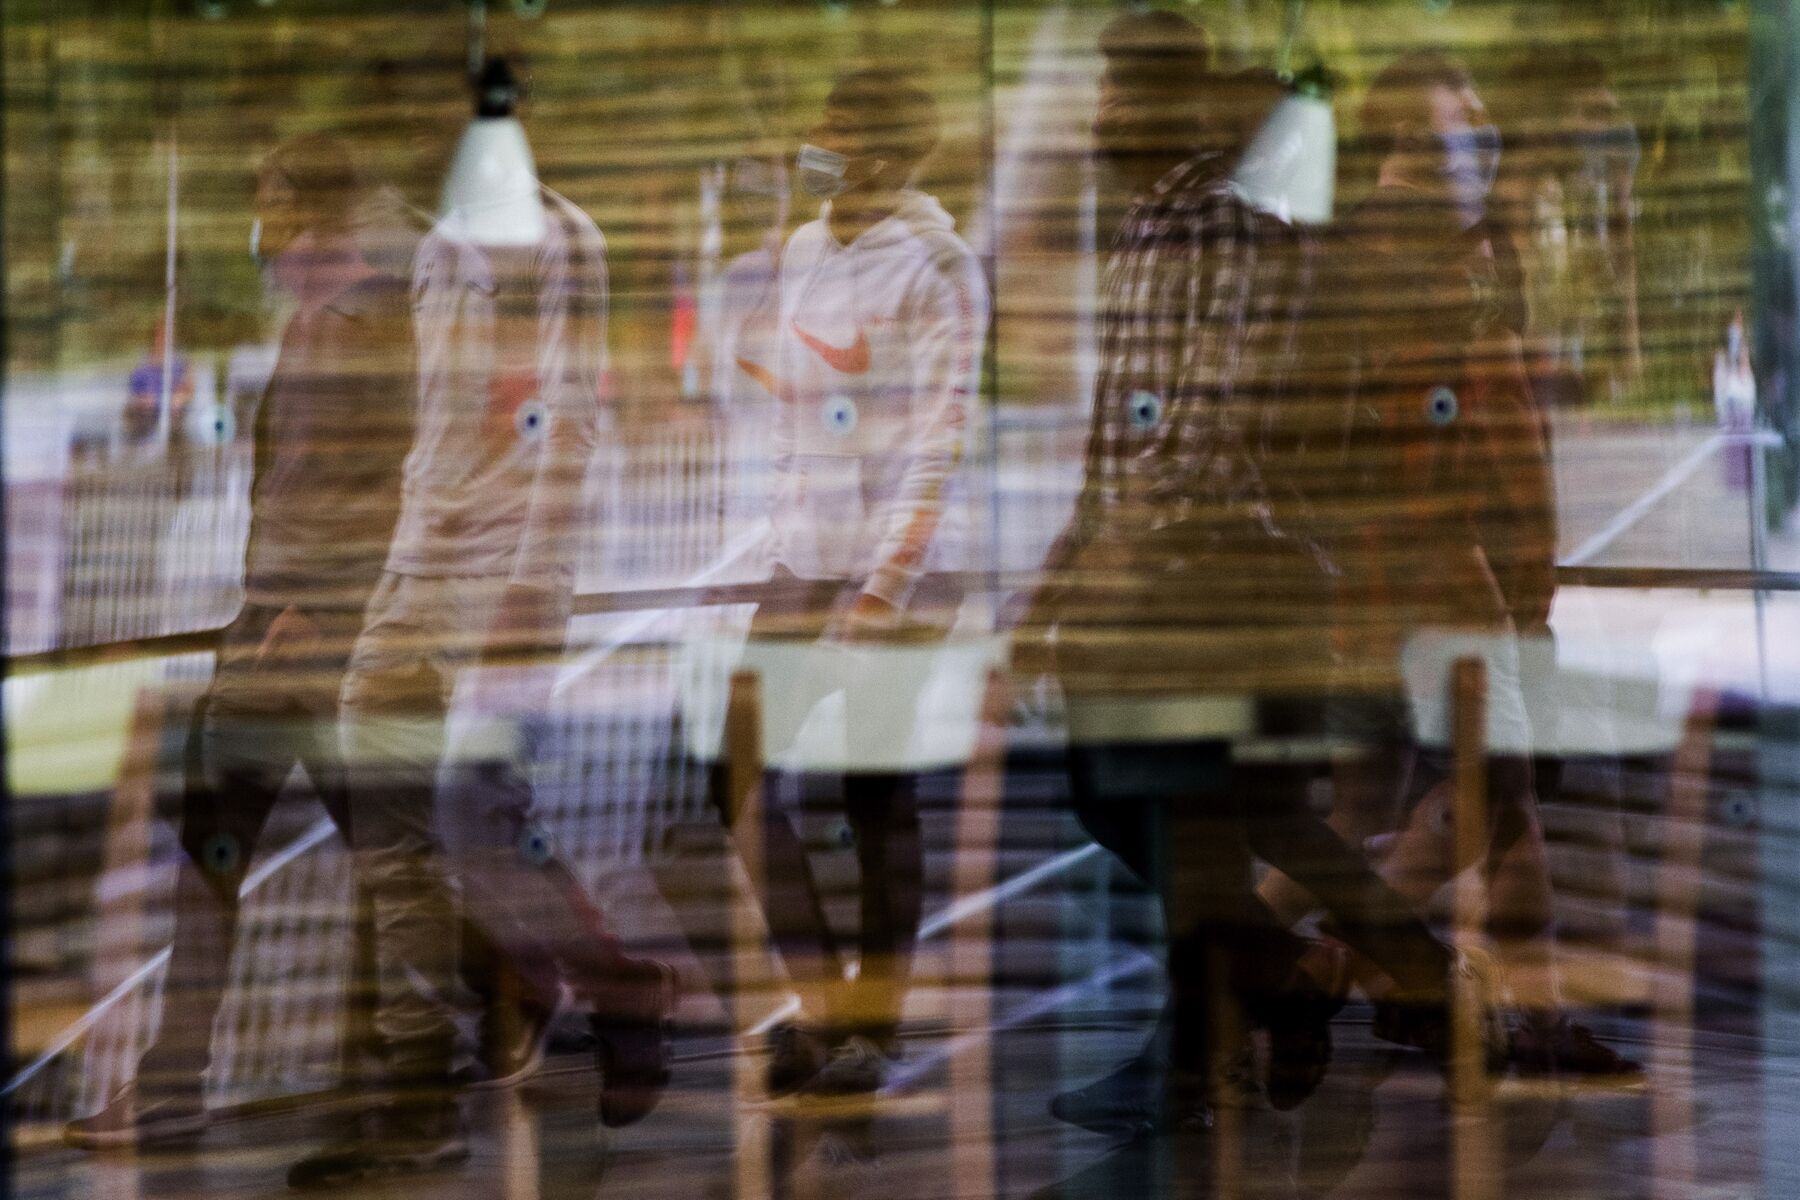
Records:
x=849, y=360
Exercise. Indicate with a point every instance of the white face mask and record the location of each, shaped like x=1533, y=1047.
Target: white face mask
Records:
x=823, y=172
x=1472, y=162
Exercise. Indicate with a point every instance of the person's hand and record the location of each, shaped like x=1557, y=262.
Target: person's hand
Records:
x=290, y=635
x=528, y=619
x=869, y=617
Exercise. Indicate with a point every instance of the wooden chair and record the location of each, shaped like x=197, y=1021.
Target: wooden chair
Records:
x=1449, y=679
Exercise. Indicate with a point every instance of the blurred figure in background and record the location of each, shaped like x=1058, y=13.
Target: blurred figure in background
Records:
x=874, y=363
x=143, y=414
x=1438, y=512
x=1567, y=197
x=1734, y=402
x=330, y=435
x=1568, y=193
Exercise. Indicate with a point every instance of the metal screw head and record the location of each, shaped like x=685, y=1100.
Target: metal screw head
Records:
x=534, y=845
x=840, y=415
x=1441, y=406
x=1145, y=409
x=221, y=853
x=222, y=427
x=1739, y=810
x=531, y=419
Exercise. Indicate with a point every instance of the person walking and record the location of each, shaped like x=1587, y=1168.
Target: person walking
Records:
x=331, y=432
x=875, y=362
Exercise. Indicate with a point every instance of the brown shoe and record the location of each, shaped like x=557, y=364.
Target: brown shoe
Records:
x=632, y=1052
x=141, y=1118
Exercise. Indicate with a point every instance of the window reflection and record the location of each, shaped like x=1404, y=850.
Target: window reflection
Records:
x=1041, y=599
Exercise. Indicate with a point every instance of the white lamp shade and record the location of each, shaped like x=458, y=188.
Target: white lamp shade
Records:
x=1290, y=169
x=491, y=193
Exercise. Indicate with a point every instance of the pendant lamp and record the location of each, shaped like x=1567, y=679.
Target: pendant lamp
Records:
x=1290, y=167
x=490, y=196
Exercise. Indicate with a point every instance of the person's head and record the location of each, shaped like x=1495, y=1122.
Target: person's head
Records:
x=1562, y=117
x=1235, y=107
x=877, y=129
x=1576, y=89
x=1429, y=133
x=1596, y=132
x=1153, y=93
x=305, y=185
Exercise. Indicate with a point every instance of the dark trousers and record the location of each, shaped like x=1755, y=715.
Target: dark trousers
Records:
x=256, y=722
x=882, y=812
x=1191, y=826
x=524, y=909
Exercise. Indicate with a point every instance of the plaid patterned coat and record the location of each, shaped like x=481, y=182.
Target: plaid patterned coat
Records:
x=1186, y=565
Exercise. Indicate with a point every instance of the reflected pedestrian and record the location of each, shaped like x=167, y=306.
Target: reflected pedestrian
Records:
x=331, y=432
x=874, y=365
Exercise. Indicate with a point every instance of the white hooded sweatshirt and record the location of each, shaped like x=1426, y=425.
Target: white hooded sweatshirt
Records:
x=877, y=368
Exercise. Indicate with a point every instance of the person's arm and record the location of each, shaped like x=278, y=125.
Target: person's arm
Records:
x=291, y=631
x=261, y=456
x=367, y=361
x=1516, y=518
x=571, y=362
x=947, y=326
x=383, y=368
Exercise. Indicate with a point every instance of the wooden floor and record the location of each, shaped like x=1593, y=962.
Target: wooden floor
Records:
x=1378, y=1128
